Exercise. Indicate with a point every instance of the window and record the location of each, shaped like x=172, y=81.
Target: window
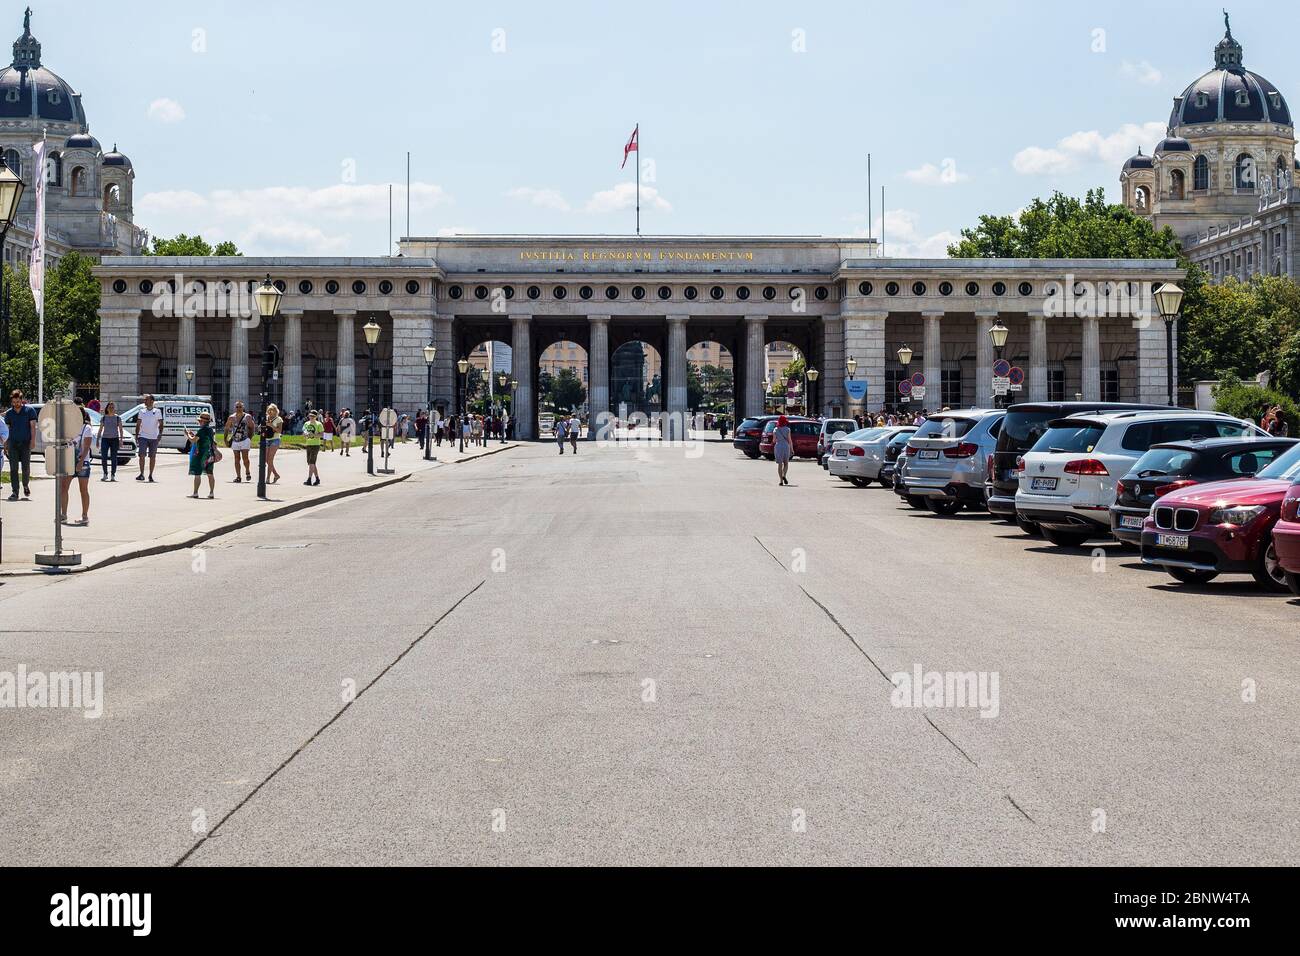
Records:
x=1201, y=99
x=1245, y=172
x=13, y=161
x=1201, y=173
x=1176, y=184
x=950, y=392
x=1110, y=384
x=78, y=181
x=166, y=383
x=325, y=391
x=1243, y=98
x=1056, y=383
x=1249, y=463
x=1074, y=438
x=893, y=378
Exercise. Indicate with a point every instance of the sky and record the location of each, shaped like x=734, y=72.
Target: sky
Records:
x=281, y=125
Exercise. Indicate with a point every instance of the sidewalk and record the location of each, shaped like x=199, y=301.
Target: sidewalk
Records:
x=131, y=519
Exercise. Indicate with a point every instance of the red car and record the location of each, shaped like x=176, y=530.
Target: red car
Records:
x=1286, y=538
x=804, y=431
x=1223, y=527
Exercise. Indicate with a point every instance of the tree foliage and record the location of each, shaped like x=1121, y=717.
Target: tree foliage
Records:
x=1241, y=329
x=183, y=245
x=71, y=327
x=1245, y=400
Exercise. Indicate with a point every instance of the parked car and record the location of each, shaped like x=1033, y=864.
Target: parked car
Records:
x=947, y=459
x=125, y=448
x=1223, y=527
x=1286, y=538
x=1067, y=480
x=749, y=433
x=893, y=456
x=1021, y=429
x=831, y=427
x=1177, y=465
x=803, y=434
x=860, y=457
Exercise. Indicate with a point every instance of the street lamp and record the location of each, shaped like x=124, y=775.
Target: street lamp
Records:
x=189, y=379
x=852, y=366
x=1169, y=300
x=11, y=193
x=905, y=359
x=514, y=391
x=503, y=379
x=430, y=353
x=463, y=367
x=811, y=375
x=371, y=331
x=267, y=298
x=999, y=333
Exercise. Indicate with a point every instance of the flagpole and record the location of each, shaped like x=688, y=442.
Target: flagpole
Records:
x=39, y=249
x=638, y=180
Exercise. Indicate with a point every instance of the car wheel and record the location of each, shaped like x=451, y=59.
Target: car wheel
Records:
x=941, y=507
x=1191, y=576
x=752, y=455
x=1268, y=571
x=1066, y=539
x=1293, y=582
x=1029, y=528
x=916, y=501
x=886, y=483
x=860, y=482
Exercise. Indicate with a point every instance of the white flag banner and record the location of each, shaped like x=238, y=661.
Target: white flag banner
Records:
x=37, y=270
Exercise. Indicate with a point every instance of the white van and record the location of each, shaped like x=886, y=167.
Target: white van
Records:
x=546, y=423
x=179, y=413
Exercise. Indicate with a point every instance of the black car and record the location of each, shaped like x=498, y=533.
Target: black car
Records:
x=892, y=451
x=1179, y=464
x=1021, y=429
x=749, y=432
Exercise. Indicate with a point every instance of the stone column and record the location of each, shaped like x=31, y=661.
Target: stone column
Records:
x=184, y=354
x=755, y=369
x=933, y=360
x=864, y=340
x=119, y=355
x=292, y=359
x=1153, y=383
x=521, y=348
x=830, y=385
x=1037, y=357
x=676, y=370
x=239, y=367
x=345, y=366
x=598, y=374
x=412, y=331
x=444, y=366
x=1090, y=367
x=984, y=359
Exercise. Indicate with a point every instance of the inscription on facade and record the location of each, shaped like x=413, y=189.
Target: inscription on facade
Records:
x=632, y=255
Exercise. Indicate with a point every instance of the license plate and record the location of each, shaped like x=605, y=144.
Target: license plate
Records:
x=1042, y=484
x=929, y=455
x=1179, y=541
x=1130, y=521
x=841, y=453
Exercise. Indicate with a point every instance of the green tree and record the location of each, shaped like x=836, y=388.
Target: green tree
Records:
x=1241, y=329
x=694, y=386
x=567, y=390
x=183, y=245
x=1235, y=397
x=71, y=327
x=718, y=384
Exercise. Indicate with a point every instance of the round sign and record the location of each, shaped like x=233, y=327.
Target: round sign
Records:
x=1017, y=376
x=388, y=418
x=918, y=380
x=905, y=387
x=57, y=419
x=1001, y=368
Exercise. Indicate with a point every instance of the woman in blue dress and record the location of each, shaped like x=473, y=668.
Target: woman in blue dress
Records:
x=782, y=448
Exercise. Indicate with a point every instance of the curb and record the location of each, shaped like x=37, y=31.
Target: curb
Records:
x=487, y=454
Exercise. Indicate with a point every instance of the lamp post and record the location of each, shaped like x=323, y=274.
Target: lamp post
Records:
x=189, y=380
x=514, y=390
x=1169, y=300
x=905, y=360
x=11, y=193
x=852, y=366
x=503, y=379
x=999, y=333
x=268, y=305
x=430, y=353
x=371, y=330
x=463, y=367
x=810, y=376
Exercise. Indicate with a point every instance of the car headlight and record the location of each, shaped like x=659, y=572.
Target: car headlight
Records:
x=1235, y=516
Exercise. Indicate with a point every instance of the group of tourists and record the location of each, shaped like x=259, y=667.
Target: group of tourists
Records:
x=472, y=429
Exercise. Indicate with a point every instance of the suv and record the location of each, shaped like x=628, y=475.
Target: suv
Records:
x=749, y=432
x=1023, y=426
x=826, y=436
x=947, y=459
x=1067, y=481
x=1177, y=465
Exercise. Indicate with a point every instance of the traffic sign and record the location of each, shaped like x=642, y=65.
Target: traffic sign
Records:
x=905, y=388
x=918, y=381
x=60, y=423
x=1001, y=368
x=918, y=393
x=388, y=418
x=856, y=388
x=1001, y=385
x=1017, y=379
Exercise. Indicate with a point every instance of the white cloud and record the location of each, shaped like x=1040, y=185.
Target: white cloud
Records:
x=282, y=220
x=929, y=174
x=166, y=110
x=623, y=196
x=1141, y=71
x=1087, y=146
x=904, y=238
x=546, y=198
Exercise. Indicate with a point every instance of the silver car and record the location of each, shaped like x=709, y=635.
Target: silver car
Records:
x=947, y=460
x=860, y=457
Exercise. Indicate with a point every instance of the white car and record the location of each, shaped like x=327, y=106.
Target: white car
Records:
x=859, y=457
x=1067, y=480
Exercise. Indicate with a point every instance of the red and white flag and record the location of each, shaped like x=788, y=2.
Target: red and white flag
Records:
x=631, y=146
x=36, y=273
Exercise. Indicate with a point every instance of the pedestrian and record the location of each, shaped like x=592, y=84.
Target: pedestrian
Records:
x=476, y=429
x=722, y=427
x=110, y=439
x=204, y=453
x=148, y=432
x=329, y=431
x=439, y=430
x=272, y=432
x=782, y=448
x=81, y=471
x=311, y=440
x=574, y=427
x=561, y=426
x=4, y=441
x=21, y=421
x=239, y=439
x=347, y=432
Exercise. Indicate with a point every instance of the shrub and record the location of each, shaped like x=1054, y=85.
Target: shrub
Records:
x=1242, y=400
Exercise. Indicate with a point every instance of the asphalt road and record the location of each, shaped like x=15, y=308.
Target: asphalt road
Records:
x=647, y=656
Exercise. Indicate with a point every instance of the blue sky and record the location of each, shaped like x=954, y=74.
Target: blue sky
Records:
x=280, y=125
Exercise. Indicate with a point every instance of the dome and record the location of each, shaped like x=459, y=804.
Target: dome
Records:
x=1138, y=162
x=30, y=91
x=114, y=158
x=1229, y=93
x=82, y=141
x=1174, y=144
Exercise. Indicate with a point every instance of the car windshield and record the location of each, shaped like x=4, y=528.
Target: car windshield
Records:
x=1285, y=468
x=1020, y=430
x=1165, y=461
x=1074, y=438
x=866, y=434
x=843, y=426
x=945, y=428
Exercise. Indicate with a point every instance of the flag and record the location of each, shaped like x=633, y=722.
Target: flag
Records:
x=36, y=273
x=631, y=146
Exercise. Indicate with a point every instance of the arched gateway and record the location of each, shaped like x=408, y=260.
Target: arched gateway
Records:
x=1077, y=326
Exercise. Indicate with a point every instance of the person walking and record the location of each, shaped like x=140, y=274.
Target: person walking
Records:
x=782, y=448
x=329, y=431
x=110, y=439
x=21, y=421
x=81, y=471
x=239, y=439
x=311, y=441
x=204, y=454
x=574, y=427
x=272, y=432
x=4, y=440
x=148, y=432
x=561, y=427
x=347, y=432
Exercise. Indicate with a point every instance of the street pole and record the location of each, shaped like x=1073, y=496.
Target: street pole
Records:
x=428, y=416
x=370, y=408
x=1169, y=355
x=998, y=400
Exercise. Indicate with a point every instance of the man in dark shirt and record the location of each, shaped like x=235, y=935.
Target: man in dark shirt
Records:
x=21, y=419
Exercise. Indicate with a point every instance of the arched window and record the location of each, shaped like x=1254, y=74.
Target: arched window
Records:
x=1143, y=198
x=1245, y=173
x=13, y=161
x=1280, y=176
x=112, y=195
x=54, y=170
x=1177, y=184
x=78, y=180
x=1201, y=174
